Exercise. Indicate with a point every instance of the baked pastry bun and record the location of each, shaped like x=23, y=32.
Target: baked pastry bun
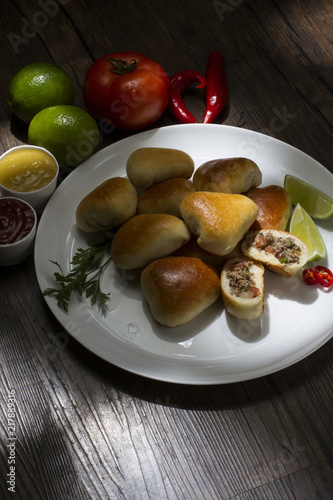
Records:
x=227, y=175
x=108, y=206
x=165, y=197
x=192, y=249
x=177, y=289
x=219, y=220
x=242, y=286
x=274, y=205
x=147, y=237
x=148, y=166
x=280, y=251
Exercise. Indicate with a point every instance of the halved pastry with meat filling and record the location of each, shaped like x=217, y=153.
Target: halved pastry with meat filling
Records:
x=242, y=286
x=280, y=251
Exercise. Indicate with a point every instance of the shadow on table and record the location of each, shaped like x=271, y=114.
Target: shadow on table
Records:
x=198, y=397
x=201, y=397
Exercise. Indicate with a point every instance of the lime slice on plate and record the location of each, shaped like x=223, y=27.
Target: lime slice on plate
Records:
x=302, y=226
x=316, y=203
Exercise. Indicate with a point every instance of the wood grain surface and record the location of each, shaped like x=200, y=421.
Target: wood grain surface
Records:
x=88, y=430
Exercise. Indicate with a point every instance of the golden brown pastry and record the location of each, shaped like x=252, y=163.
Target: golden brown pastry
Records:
x=274, y=205
x=108, y=206
x=227, y=175
x=192, y=249
x=147, y=237
x=280, y=251
x=219, y=220
x=165, y=197
x=148, y=166
x=242, y=286
x=177, y=289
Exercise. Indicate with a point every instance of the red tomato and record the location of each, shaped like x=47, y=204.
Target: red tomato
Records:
x=126, y=88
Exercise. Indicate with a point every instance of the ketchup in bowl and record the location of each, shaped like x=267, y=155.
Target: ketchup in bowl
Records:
x=18, y=223
x=16, y=220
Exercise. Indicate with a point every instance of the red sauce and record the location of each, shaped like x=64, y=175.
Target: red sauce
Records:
x=16, y=220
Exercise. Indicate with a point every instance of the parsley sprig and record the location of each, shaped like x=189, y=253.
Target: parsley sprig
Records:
x=85, y=276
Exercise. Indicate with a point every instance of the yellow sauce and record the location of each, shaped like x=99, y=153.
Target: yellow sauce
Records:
x=27, y=170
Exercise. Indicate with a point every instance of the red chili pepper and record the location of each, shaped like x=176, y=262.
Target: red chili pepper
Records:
x=309, y=277
x=178, y=84
x=216, y=87
x=323, y=275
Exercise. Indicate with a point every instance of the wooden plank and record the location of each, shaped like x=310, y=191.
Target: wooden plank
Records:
x=86, y=429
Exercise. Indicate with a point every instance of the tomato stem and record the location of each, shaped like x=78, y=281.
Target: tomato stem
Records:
x=121, y=67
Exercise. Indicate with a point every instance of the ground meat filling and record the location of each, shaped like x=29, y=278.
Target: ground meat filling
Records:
x=283, y=248
x=241, y=280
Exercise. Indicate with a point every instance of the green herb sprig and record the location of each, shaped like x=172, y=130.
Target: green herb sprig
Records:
x=85, y=276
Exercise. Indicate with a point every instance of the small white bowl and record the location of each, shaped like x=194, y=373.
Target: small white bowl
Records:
x=38, y=198
x=18, y=251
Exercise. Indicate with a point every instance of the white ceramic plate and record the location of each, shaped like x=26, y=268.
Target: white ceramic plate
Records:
x=214, y=348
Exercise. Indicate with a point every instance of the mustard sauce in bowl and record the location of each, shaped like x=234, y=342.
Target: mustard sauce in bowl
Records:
x=29, y=173
x=26, y=170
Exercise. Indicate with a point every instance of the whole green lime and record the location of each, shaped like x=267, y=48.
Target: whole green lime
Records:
x=69, y=133
x=38, y=86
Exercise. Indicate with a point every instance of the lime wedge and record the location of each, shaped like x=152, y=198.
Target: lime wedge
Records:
x=316, y=203
x=302, y=226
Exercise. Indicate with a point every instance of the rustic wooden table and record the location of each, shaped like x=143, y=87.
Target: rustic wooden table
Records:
x=85, y=428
